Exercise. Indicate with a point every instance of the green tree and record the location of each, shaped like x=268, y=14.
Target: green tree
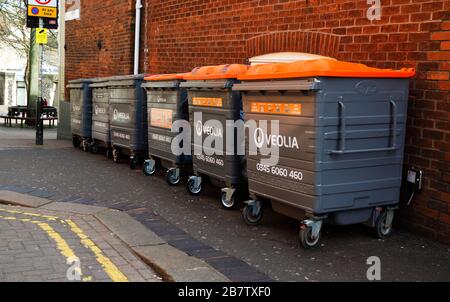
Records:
x=15, y=34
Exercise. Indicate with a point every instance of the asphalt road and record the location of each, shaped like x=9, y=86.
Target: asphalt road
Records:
x=272, y=248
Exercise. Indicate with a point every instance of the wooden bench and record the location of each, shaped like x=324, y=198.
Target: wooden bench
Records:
x=8, y=120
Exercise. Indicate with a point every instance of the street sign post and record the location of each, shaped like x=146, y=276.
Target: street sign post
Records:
x=42, y=15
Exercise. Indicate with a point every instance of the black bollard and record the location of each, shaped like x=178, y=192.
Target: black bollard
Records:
x=39, y=122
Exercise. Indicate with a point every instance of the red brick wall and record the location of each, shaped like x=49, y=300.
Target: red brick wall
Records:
x=180, y=35
x=109, y=23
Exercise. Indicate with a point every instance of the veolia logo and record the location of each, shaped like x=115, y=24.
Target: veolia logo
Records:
x=160, y=99
x=199, y=128
x=280, y=141
x=121, y=115
x=99, y=110
x=208, y=130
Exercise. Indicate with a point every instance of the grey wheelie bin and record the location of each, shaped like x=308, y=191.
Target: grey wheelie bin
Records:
x=167, y=103
x=128, y=112
x=81, y=112
x=101, y=121
x=212, y=103
x=339, y=148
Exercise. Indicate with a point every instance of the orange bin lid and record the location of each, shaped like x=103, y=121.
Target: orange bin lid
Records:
x=165, y=77
x=219, y=72
x=322, y=68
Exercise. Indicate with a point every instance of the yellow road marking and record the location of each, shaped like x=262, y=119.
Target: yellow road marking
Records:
x=61, y=244
x=113, y=272
x=108, y=266
x=47, y=217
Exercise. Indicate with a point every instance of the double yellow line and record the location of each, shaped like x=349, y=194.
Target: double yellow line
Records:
x=108, y=266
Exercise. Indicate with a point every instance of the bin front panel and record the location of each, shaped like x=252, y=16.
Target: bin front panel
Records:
x=293, y=145
x=81, y=110
x=101, y=129
x=128, y=114
x=76, y=97
x=165, y=106
x=220, y=105
x=122, y=123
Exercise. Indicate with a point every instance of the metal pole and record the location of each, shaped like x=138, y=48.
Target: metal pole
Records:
x=39, y=103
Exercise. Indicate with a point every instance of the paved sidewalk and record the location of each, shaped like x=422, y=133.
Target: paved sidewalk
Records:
x=44, y=240
x=39, y=245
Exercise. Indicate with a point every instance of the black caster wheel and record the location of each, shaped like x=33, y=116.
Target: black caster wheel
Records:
x=307, y=239
x=149, y=168
x=85, y=146
x=76, y=142
x=253, y=213
x=228, y=202
x=134, y=161
x=116, y=155
x=173, y=177
x=195, y=186
x=383, y=226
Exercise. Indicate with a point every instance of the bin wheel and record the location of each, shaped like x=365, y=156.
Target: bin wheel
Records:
x=94, y=148
x=195, y=186
x=383, y=228
x=149, y=167
x=253, y=213
x=76, y=142
x=228, y=203
x=85, y=146
x=116, y=155
x=134, y=161
x=173, y=177
x=109, y=154
x=306, y=238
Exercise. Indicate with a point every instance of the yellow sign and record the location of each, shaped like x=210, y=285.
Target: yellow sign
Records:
x=208, y=102
x=161, y=118
x=41, y=36
x=277, y=108
x=42, y=11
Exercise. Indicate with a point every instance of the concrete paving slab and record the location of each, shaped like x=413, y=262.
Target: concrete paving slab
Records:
x=178, y=266
x=132, y=232
x=18, y=199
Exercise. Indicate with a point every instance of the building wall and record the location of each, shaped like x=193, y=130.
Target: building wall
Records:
x=180, y=35
x=101, y=43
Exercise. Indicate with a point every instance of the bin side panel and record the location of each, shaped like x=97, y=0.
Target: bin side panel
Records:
x=87, y=111
x=365, y=120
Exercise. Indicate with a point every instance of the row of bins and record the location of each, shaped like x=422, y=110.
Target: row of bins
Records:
x=110, y=114
x=338, y=137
